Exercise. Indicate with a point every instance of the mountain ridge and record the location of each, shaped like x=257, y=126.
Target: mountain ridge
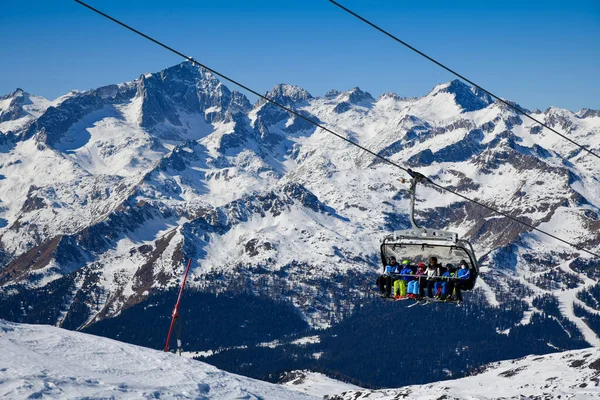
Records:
x=105, y=193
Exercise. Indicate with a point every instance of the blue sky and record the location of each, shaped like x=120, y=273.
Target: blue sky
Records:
x=537, y=53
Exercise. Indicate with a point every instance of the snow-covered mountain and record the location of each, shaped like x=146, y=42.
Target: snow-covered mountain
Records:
x=567, y=375
x=104, y=194
x=52, y=363
x=314, y=383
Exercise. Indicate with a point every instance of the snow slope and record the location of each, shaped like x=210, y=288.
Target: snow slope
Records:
x=567, y=375
x=315, y=383
x=39, y=361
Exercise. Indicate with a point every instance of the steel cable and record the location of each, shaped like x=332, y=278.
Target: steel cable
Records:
x=508, y=104
x=412, y=173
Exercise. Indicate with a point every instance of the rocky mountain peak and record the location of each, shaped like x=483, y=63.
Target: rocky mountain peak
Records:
x=587, y=113
x=345, y=100
x=11, y=105
x=287, y=95
x=467, y=97
x=18, y=92
x=513, y=104
x=239, y=102
x=332, y=94
x=390, y=95
x=188, y=88
x=358, y=96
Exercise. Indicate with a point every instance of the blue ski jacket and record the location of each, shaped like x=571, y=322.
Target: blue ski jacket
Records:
x=407, y=271
x=464, y=273
x=392, y=269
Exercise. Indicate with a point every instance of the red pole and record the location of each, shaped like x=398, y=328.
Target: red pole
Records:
x=176, y=309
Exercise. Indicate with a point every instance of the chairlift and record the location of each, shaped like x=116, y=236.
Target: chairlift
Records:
x=418, y=244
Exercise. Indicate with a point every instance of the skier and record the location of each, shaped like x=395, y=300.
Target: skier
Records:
x=432, y=273
x=386, y=280
x=463, y=274
x=397, y=281
x=437, y=287
x=401, y=284
x=448, y=283
x=413, y=286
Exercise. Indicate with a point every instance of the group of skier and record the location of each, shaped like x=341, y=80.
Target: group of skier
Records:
x=409, y=281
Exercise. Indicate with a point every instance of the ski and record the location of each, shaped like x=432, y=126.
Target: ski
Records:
x=431, y=300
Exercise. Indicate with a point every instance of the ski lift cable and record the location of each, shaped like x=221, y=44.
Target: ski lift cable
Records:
x=507, y=103
x=414, y=174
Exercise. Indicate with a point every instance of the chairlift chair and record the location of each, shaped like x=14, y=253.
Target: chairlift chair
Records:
x=418, y=244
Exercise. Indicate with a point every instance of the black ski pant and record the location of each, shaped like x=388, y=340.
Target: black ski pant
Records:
x=385, y=283
x=422, y=284
x=450, y=287
x=457, y=287
x=430, y=284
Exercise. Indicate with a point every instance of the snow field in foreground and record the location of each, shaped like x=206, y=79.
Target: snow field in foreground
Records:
x=39, y=361
x=567, y=375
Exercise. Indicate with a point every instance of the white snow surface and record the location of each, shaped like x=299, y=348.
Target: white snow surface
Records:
x=317, y=384
x=40, y=361
x=566, y=375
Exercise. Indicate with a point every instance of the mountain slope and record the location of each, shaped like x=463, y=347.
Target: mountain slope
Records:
x=570, y=374
x=51, y=363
